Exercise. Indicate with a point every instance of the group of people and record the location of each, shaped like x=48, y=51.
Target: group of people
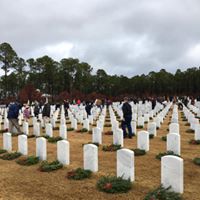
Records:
x=13, y=113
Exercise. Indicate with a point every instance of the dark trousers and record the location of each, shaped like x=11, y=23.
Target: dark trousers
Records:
x=66, y=112
x=126, y=123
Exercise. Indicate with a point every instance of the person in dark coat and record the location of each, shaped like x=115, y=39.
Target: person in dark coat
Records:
x=36, y=109
x=66, y=107
x=13, y=112
x=88, y=108
x=127, y=118
x=46, y=112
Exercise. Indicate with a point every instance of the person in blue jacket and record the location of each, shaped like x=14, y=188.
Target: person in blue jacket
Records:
x=13, y=112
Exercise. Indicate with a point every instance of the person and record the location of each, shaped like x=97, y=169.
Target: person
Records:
x=78, y=102
x=36, y=109
x=13, y=112
x=46, y=112
x=108, y=103
x=127, y=117
x=66, y=107
x=88, y=108
x=98, y=103
x=57, y=105
x=26, y=113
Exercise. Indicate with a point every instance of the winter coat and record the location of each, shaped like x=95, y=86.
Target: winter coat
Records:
x=13, y=111
x=36, y=110
x=127, y=110
x=26, y=113
x=46, y=110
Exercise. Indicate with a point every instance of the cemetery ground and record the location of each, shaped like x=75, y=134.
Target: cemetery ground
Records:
x=27, y=182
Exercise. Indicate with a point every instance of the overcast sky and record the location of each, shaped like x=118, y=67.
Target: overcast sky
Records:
x=126, y=37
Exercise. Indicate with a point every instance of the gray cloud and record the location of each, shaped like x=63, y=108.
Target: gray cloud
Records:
x=126, y=37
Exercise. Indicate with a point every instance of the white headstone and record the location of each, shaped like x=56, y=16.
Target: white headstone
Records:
x=146, y=117
x=5, y=123
x=63, y=131
x=7, y=141
x=86, y=124
x=173, y=143
x=41, y=148
x=90, y=157
x=91, y=119
x=34, y=120
x=143, y=140
x=125, y=164
x=63, y=152
x=42, y=123
x=25, y=128
x=74, y=124
x=53, y=122
x=49, y=130
x=118, y=137
x=141, y=121
x=40, y=116
x=115, y=125
x=151, y=128
x=134, y=127
x=100, y=124
x=197, y=132
x=23, y=144
x=174, y=120
x=36, y=129
x=97, y=135
x=194, y=123
x=158, y=122
x=172, y=173
x=174, y=128
x=62, y=120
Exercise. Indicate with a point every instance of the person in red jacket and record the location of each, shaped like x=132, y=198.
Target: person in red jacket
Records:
x=78, y=102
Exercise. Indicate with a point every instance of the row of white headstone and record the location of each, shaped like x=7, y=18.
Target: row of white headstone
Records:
x=77, y=114
x=41, y=147
x=171, y=166
x=173, y=137
x=194, y=122
x=48, y=129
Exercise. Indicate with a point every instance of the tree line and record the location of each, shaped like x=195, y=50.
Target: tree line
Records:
x=71, y=78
